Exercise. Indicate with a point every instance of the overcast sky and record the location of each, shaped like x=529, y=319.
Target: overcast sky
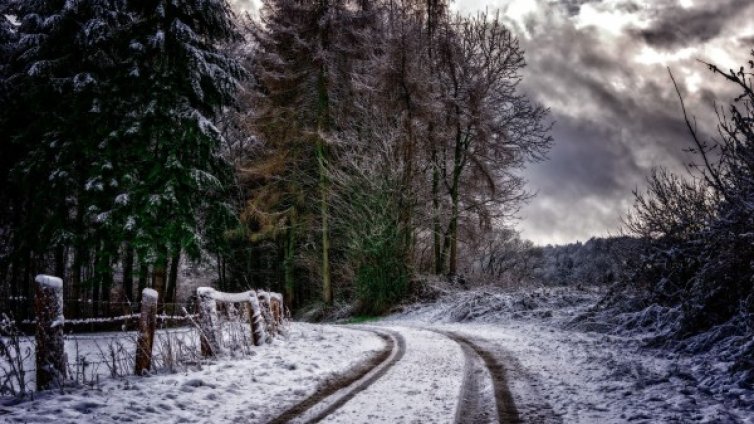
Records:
x=601, y=67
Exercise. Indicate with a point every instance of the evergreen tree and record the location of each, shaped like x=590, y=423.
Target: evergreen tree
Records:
x=112, y=140
x=175, y=82
x=53, y=124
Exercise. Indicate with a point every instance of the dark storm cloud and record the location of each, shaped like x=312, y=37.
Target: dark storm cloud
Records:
x=617, y=118
x=675, y=26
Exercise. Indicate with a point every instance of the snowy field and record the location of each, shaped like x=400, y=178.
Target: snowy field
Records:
x=242, y=390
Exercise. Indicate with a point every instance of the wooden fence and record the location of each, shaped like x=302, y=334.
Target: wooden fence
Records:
x=263, y=310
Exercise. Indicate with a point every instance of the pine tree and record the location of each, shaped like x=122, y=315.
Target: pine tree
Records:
x=175, y=81
x=113, y=138
x=307, y=51
x=54, y=70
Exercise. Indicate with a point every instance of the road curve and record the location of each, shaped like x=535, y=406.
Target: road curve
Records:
x=529, y=403
x=344, y=387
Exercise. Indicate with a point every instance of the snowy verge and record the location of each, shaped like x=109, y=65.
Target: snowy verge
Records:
x=227, y=391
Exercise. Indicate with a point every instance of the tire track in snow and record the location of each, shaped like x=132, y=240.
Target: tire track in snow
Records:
x=331, y=397
x=475, y=404
x=470, y=411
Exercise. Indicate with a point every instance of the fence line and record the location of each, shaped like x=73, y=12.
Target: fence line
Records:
x=256, y=317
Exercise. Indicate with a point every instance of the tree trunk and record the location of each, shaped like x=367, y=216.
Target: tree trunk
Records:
x=323, y=125
x=289, y=264
x=451, y=237
x=327, y=290
x=158, y=280
x=173, y=277
x=128, y=272
x=143, y=275
x=453, y=257
x=96, y=283
x=60, y=261
x=436, y=228
x=220, y=273
x=107, y=284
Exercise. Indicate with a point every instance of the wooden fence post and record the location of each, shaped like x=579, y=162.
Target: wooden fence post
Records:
x=210, y=344
x=277, y=298
x=147, y=325
x=266, y=308
x=275, y=312
x=257, y=322
x=50, y=349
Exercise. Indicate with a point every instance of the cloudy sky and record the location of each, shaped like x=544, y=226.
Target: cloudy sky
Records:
x=601, y=67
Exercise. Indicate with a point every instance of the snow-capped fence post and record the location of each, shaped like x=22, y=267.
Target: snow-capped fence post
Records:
x=257, y=322
x=50, y=349
x=147, y=325
x=208, y=331
x=265, y=316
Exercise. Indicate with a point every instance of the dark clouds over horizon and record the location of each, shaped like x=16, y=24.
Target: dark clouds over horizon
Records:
x=601, y=67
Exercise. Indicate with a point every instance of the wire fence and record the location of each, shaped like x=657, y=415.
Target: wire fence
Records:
x=91, y=357
x=106, y=346
x=87, y=316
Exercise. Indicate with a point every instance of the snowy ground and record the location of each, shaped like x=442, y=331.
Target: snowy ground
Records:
x=587, y=377
x=244, y=390
x=555, y=373
x=422, y=387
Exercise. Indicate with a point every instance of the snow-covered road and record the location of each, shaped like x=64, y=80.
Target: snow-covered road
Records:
x=422, y=387
x=430, y=373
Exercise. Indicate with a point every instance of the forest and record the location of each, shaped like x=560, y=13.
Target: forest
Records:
x=327, y=149
x=333, y=150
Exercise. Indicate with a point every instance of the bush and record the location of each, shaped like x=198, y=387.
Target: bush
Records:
x=701, y=242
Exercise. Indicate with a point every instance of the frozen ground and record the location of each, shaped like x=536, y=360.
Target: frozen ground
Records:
x=422, y=387
x=227, y=391
x=587, y=377
x=555, y=372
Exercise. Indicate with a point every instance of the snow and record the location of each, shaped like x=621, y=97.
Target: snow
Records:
x=586, y=377
x=122, y=199
x=225, y=297
x=553, y=367
x=149, y=294
x=49, y=281
x=422, y=387
x=250, y=390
